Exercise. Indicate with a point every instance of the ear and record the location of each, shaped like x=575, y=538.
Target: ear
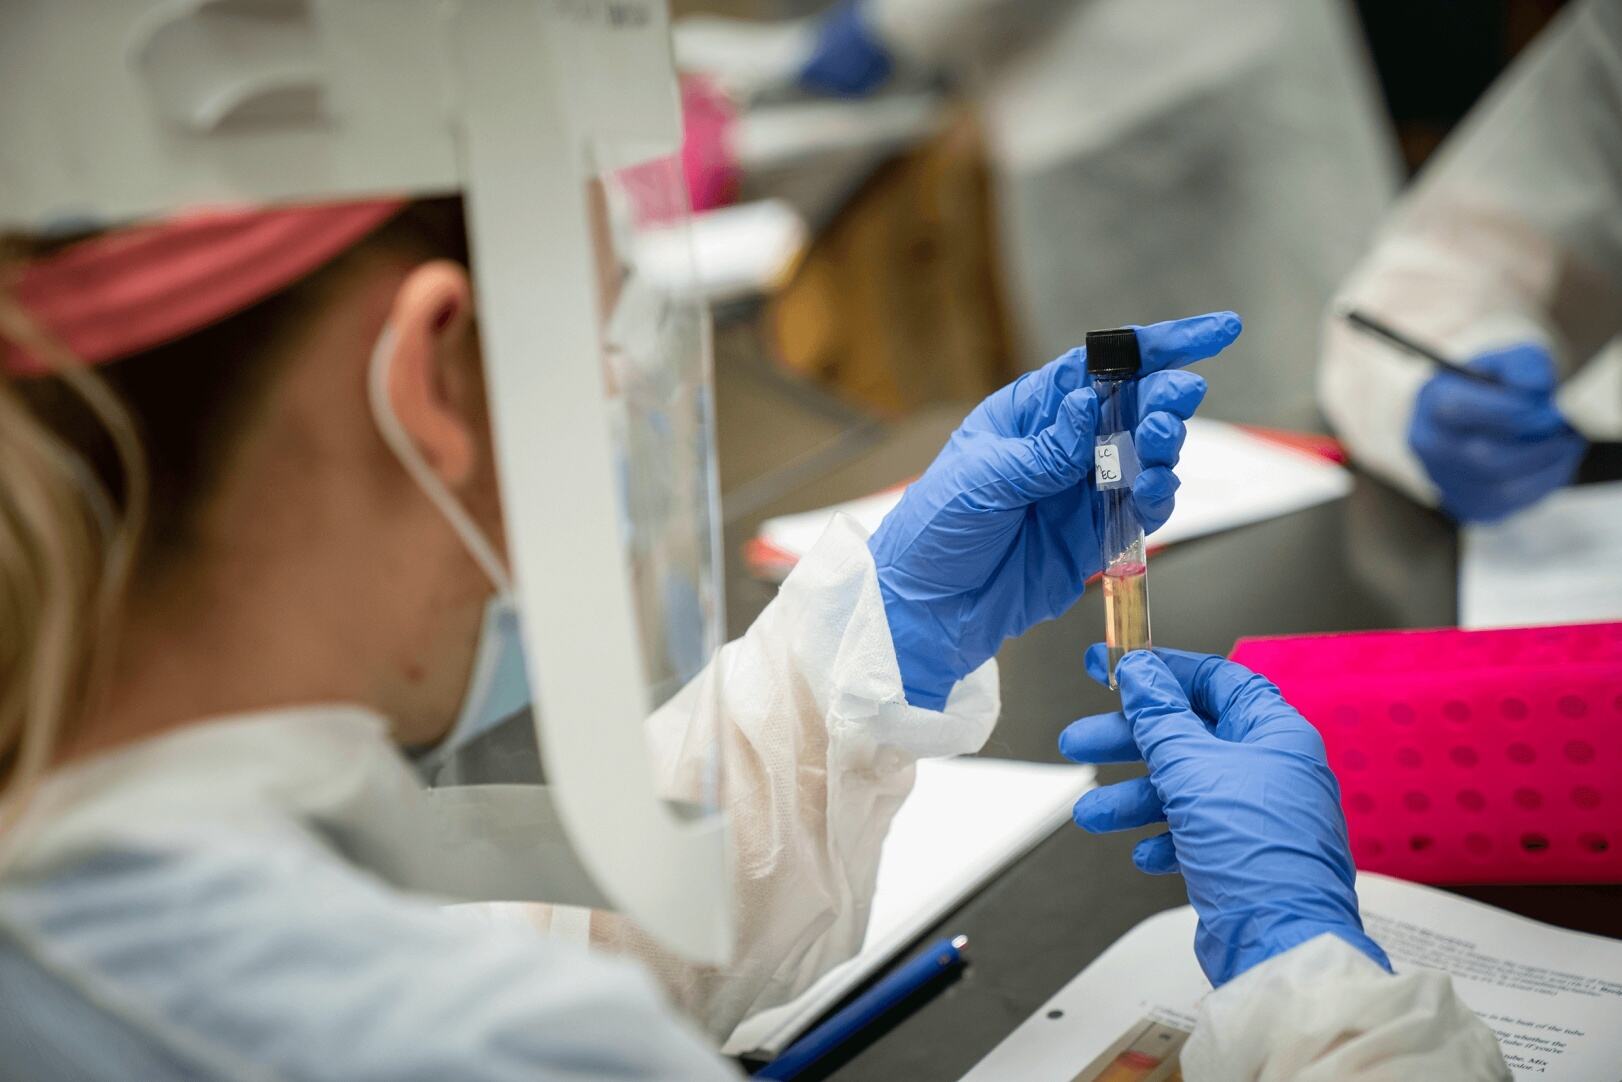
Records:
x=432, y=320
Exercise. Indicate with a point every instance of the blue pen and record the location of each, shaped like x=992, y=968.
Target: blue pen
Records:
x=942, y=957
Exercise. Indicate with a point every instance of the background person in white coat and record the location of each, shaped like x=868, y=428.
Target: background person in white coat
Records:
x=1146, y=158
x=1507, y=254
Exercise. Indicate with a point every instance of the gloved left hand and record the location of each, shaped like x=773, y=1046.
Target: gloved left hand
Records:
x=1001, y=531
x=849, y=60
x=1243, y=782
x=1494, y=450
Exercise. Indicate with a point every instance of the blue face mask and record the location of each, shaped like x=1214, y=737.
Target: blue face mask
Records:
x=497, y=687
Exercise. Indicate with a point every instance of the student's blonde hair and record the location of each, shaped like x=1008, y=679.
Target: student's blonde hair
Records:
x=67, y=551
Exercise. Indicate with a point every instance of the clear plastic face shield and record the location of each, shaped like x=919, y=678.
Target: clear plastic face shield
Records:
x=559, y=122
x=656, y=356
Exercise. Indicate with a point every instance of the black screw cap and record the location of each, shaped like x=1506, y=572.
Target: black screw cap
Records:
x=1113, y=353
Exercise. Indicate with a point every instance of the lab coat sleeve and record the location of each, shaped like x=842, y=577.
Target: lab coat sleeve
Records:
x=1323, y=1012
x=241, y=946
x=818, y=743
x=1513, y=234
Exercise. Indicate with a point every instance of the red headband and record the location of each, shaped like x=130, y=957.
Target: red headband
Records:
x=131, y=289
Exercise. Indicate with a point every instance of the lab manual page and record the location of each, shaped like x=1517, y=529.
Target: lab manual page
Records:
x=1553, y=997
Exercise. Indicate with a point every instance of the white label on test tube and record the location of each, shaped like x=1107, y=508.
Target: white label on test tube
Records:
x=1115, y=462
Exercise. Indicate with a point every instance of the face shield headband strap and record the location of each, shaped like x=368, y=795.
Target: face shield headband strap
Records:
x=400, y=442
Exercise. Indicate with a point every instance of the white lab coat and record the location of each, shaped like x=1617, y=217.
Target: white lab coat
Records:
x=1150, y=161
x=185, y=907
x=1512, y=234
x=1157, y=160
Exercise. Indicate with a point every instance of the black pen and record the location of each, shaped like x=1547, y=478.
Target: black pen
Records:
x=1369, y=325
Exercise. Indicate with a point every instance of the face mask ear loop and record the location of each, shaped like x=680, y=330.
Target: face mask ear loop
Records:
x=394, y=434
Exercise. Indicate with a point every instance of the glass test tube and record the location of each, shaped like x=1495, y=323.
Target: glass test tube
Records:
x=1114, y=363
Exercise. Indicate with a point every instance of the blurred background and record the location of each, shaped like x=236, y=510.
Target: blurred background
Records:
x=904, y=204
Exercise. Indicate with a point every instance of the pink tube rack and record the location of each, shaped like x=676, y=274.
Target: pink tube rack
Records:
x=1468, y=756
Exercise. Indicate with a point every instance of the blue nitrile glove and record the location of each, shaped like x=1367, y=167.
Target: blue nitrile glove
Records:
x=848, y=60
x=1492, y=451
x=1254, y=810
x=1001, y=531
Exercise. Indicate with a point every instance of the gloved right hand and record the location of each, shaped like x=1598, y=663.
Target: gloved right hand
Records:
x=1004, y=528
x=1494, y=450
x=1242, y=780
x=849, y=60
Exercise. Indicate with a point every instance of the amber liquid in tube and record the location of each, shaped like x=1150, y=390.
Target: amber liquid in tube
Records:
x=1113, y=365
x=1126, y=611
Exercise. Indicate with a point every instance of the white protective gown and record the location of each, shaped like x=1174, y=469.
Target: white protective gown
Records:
x=1323, y=1012
x=1513, y=234
x=183, y=908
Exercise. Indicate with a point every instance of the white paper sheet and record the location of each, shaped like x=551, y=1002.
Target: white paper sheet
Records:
x=738, y=251
x=1557, y=562
x=965, y=820
x=802, y=134
x=747, y=58
x=1553, y=997
x=1230, y=478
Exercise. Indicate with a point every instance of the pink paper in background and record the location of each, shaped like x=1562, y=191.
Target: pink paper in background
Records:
x=707, y=159
x=1468, y=756
x=709, y=172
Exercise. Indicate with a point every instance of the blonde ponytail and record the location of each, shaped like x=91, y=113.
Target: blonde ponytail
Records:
x=67, y=551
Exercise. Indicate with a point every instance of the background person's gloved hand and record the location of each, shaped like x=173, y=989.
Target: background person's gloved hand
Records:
x=1254, y=811
x=848, y=60
x=1494, y=450
x=1001, y=531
